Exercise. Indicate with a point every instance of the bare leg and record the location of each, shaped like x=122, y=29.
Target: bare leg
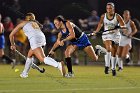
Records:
x=69, y=50
x=91, y=53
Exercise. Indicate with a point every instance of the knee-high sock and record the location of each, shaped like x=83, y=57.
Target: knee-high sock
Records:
x=27, y=65
x=120, y=62
x=113, y=62
x=69, y=64
x=107, y=59
x=51, y=62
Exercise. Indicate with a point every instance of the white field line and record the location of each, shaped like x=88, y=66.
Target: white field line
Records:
x=76, y=89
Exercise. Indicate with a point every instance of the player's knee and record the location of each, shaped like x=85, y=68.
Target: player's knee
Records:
x=41, y=59
x=67, y=53
x=108, y=49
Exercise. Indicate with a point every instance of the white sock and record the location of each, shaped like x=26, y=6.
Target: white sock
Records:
x=127, y=56
x=120, y=62
x=27, y=65
x=113, y=63
x=51, y=62
x=107, y=59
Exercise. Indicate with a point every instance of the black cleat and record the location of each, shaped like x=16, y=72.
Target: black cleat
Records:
x=113, y=72
x=42, y=71
x=127, y=60
x=106, y=70
x=119, y=69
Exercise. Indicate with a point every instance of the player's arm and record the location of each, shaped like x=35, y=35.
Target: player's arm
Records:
x=1, y=28
x=11, y=36
x=56, y=44
x=121, y=21
x=71, y=32
x=122, y=24
x=134, y=29
x=100, y=24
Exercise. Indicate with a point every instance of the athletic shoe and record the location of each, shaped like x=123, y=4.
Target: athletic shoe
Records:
x=23, y=75
x=97, y=52
x=119, y=69
x=106, y=70
x=127, y=60
x=61, y=67
x=69, y=75
x=102, y=49
x=113, y=72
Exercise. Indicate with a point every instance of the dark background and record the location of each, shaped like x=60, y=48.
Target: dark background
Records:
x=71, y=9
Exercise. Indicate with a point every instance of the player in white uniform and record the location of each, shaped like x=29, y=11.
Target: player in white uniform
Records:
x=125, y=41
x=110, y=20
x=37, y=40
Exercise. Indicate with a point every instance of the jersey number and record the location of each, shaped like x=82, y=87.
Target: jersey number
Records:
x=35, y=25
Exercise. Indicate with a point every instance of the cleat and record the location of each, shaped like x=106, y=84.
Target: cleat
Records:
x=127, y=60
x=113, y=72
x=61, y=67
x=23, y=75
x=42, y=71
x=120, y=69
x=102, y=49
x=106, y=70
x=69, y=75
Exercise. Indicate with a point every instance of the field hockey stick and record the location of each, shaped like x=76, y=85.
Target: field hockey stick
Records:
x=34, y=66
x=54, y=51
x=107, y=31
x=135, y=38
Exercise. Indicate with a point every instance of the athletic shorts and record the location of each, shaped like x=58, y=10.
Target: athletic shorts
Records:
x=37, y=41
x=2, y=42
x=125, y=41
x=82, y=42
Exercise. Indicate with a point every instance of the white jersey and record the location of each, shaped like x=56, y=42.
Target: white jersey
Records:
x=32, y=29
x=125, y=40
x=110, y=24
x=35, y=36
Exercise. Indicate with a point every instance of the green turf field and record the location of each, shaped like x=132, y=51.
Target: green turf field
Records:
x=88, y=79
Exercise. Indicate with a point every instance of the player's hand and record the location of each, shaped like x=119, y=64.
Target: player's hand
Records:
x=51, y=53
x=129, y=36
x=61, y=43
x=13, y=47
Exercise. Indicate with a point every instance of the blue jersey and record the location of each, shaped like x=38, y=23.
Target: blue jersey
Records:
x=81, y=40
x=2, y=41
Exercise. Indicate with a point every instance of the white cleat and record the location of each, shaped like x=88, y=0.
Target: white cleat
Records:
x=61, y=67
x=69, y=75
x=23, y=75
x=103, y=50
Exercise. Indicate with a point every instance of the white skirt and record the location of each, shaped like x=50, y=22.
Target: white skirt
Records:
x=125, y=41
x=106, y=37
x=37, y=41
